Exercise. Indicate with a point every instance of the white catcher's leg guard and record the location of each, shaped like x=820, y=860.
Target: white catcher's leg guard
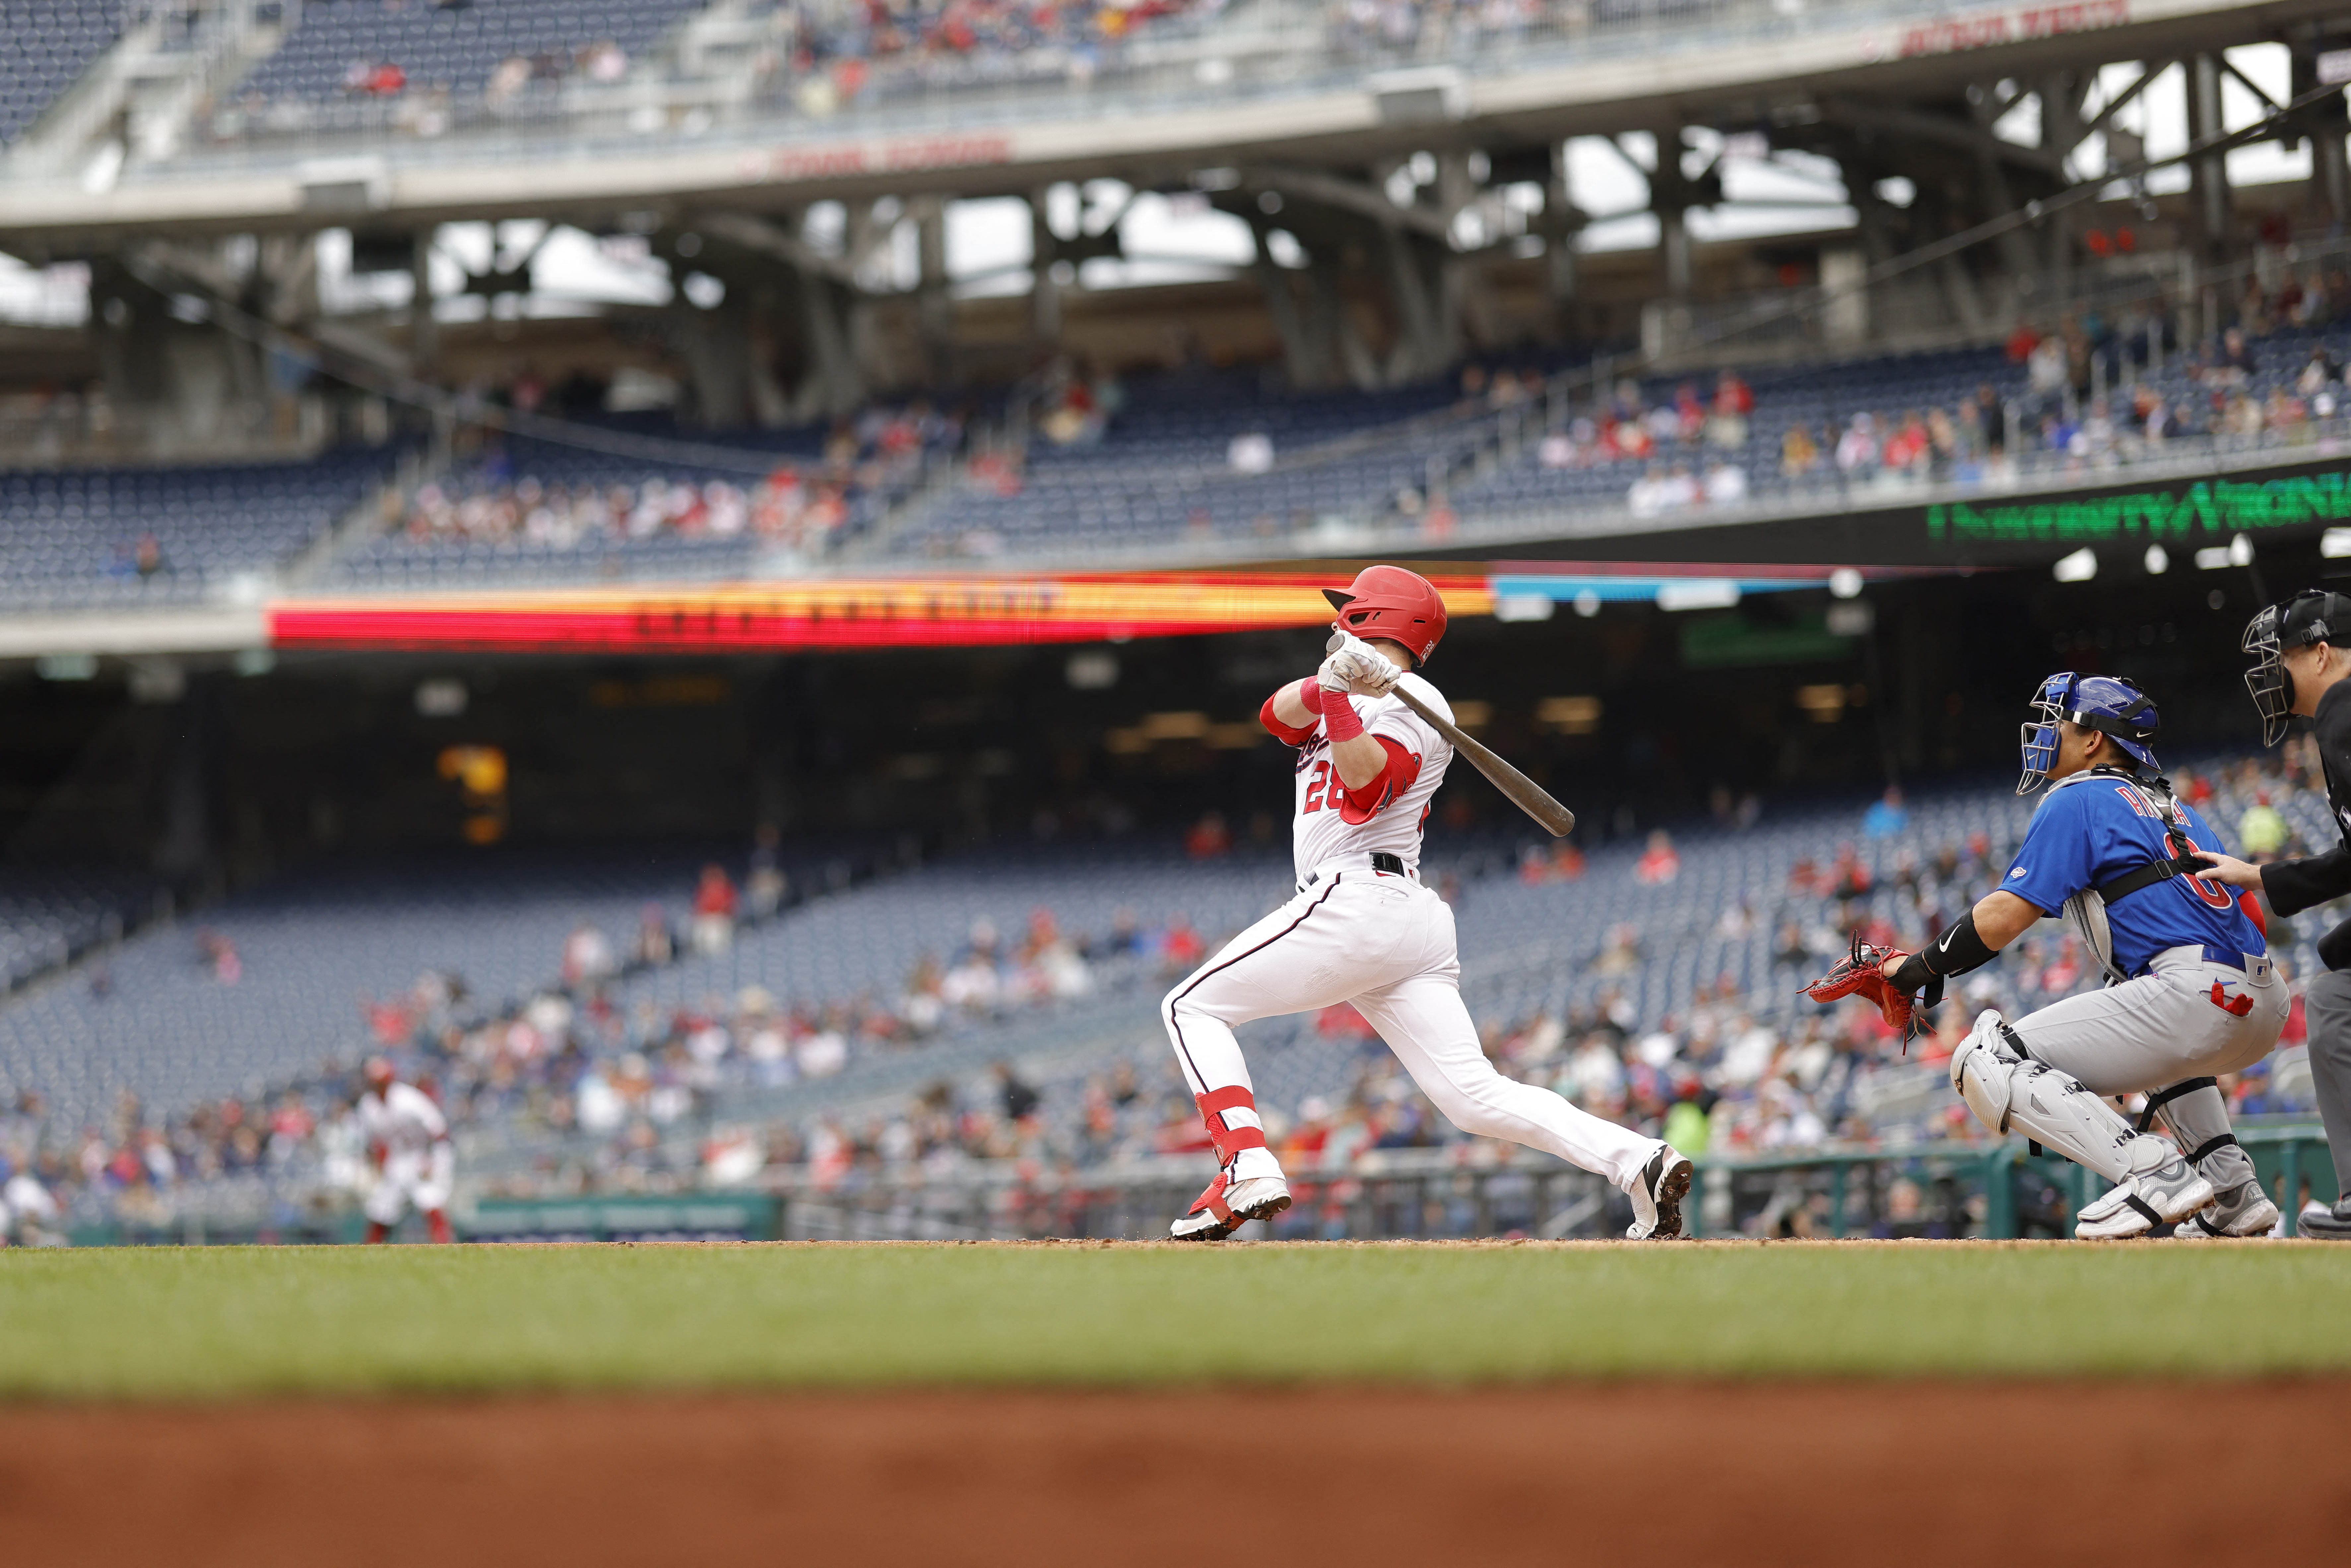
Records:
x=2010, y=1092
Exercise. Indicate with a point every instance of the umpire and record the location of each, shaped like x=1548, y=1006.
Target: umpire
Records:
x=2300, y=660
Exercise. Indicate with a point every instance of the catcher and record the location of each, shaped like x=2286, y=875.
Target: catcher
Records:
x=2188, y=993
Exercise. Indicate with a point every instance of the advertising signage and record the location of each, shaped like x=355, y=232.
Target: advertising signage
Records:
x=1991, y=530
x=2207, y=512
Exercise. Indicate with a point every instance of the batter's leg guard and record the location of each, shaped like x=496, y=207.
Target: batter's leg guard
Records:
x=2197, y=1116
x=1238, y=1132
x=1248, y=1184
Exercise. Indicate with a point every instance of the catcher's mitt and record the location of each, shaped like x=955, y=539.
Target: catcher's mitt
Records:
x=1867, y=972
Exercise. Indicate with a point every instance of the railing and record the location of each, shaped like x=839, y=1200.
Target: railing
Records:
x=1817, y=1188
x=1989, y=1190
x=1458, y=1191
x=1473, y=1191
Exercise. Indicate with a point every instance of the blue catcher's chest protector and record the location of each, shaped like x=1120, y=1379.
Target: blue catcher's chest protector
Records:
x=2109, y=851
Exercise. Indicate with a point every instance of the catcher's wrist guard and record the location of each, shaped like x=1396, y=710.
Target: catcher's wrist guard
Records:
x=1957, y=950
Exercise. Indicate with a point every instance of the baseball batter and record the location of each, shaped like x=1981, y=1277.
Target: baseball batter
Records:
x=2188, y=994
x=1363, y=929
x=407, y=1141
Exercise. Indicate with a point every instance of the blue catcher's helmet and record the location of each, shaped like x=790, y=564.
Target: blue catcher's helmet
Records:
x=2108, y=704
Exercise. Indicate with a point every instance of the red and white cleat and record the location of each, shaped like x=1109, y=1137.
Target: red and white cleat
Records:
x=1228, y=1205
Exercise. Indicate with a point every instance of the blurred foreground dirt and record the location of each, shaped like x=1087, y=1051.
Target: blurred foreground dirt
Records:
x=1686, y=1474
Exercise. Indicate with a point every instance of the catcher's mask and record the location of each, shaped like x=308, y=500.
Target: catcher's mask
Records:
x=2313, y=615
x=2108, y=704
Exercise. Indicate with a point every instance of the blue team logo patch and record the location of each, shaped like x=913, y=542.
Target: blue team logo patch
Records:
x=2016, y=874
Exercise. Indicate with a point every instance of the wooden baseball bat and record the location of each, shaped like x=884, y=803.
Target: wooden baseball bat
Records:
x=1525, y=794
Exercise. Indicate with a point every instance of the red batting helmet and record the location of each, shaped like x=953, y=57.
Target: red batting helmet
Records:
x=1389, y=601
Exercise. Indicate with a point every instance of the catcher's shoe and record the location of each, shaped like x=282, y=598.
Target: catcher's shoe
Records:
x=2327, y=1224
x=2169, y=1193
x=1228, y=1205
x=2243, y=1210
x=1658, y=1197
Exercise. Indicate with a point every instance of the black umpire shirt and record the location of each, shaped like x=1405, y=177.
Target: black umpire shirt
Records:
x=2292, y=887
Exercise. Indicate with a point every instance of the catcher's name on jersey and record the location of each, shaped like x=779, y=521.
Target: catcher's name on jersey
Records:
x=1326, y=828
x=2094, y=826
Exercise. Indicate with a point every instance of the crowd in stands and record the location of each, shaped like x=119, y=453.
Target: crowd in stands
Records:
x=800, y=504
x=822, y=56
x=419, y=65
x=432, y=64
x=1725, y=1068
x=1728, y=1070
x=2089, y=391
x=578, y=1054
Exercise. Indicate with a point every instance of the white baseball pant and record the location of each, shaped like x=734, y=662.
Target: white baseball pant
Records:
x=419, y=1176
x=1385, y=944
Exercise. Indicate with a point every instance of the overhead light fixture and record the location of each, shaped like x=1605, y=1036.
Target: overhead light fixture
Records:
x=2079, y=567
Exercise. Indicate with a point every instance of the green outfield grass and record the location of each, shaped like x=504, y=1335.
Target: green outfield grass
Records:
x=235, y=1321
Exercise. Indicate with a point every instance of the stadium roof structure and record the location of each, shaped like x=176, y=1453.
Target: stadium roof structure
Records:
x=1747, y=62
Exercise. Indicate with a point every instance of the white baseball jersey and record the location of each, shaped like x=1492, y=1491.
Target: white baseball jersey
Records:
x=403, y=1120
x=1384, y=943
x=418, y=1166
x=1322, y=831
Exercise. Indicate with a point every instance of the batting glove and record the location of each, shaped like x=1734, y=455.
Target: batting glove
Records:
x=1368, y=674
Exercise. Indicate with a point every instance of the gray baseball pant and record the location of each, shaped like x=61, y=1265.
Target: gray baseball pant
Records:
x=2326, y=1009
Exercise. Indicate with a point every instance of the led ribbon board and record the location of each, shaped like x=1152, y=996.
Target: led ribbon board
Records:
x=2212, y=511
x=904, y=612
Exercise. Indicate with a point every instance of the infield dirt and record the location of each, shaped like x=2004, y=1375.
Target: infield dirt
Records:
x=1760, y=1473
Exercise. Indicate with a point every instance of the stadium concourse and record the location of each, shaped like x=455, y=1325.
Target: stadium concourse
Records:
x=693, y=1022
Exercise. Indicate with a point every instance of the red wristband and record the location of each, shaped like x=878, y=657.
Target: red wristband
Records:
x=1340, y=719
x=1310, y=691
